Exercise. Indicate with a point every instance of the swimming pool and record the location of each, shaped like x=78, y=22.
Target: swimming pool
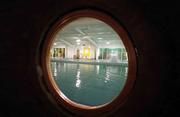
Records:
x=87, y=84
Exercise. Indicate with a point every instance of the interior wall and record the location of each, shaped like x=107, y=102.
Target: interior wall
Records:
x=154, y=29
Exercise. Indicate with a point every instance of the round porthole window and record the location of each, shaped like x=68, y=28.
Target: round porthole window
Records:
x=89, y=62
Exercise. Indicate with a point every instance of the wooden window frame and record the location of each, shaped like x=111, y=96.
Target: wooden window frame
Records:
x=59, y=97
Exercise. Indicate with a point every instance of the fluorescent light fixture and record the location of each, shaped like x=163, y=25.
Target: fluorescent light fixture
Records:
x=78, y=40
x=107, y=42
x=75, y=37
x=86, y=37
x=78, y=43
x=99, y=38
x=100, y=32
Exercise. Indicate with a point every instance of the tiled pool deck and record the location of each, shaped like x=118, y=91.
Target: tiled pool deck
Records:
x=92, y=62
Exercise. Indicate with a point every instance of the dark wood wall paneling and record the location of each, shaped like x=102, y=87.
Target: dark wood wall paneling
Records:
x=153, y=26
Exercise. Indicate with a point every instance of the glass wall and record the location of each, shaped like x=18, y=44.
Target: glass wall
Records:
x=119, y=54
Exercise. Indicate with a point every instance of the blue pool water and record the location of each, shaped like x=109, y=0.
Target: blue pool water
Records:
x=87, y=84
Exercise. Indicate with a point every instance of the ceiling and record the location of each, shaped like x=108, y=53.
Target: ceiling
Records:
x=88, y=31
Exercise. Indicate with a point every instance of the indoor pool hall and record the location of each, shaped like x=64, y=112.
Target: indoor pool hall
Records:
x=89, y=62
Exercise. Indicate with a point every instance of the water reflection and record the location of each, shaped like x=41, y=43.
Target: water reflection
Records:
x=126, y=72
x=107, y=74
x=54, y=68
x=78, y=81
x=89, y=84
x=97, y=69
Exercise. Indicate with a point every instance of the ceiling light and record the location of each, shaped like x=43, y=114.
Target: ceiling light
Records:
x=107, y=42
x=75, y=37
x=100, y=32
x=78, y=43
x=86, y=37
x=55, y=43
x=78, y=40
x=99, y=38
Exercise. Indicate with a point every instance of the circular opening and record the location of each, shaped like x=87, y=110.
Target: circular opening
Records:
x=89, y=62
